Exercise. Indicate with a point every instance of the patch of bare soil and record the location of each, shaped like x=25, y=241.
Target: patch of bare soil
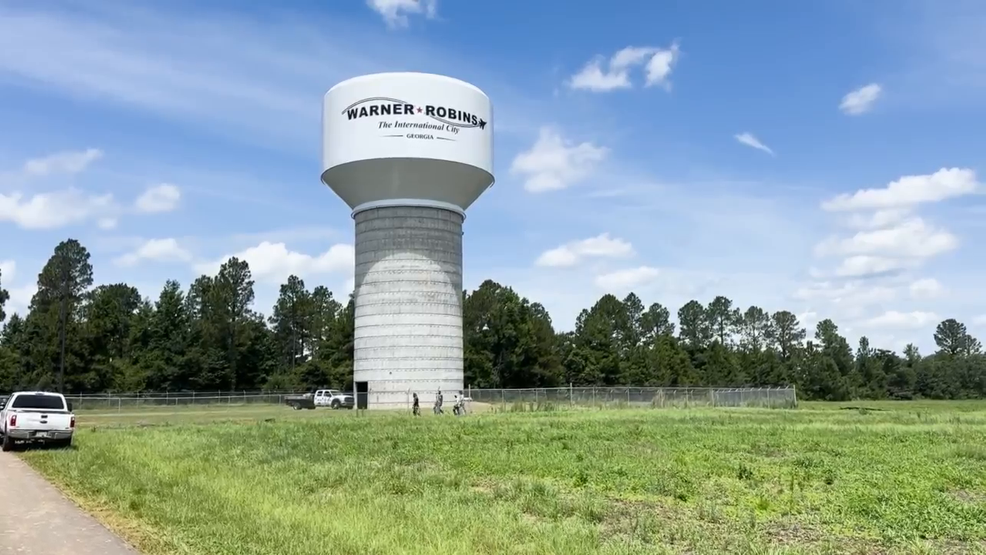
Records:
x=970, y=497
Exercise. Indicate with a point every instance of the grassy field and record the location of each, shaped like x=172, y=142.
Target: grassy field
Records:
x=856, y=478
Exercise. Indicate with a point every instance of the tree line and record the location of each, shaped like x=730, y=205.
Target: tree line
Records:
x=85, y=338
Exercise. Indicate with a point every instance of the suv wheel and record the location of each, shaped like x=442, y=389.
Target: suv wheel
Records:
x=335, y=403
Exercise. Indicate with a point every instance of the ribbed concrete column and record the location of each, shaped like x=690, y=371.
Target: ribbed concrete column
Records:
x=408, y=304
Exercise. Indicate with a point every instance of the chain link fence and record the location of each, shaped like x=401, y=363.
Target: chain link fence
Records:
x=635, y=397
x=120, y=401
x=498, y=399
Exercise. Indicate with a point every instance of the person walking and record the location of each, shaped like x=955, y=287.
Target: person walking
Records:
x=438, y=403
x=456, y=405
x=415, y=408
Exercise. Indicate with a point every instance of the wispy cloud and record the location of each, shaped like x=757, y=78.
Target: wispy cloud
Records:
x=749, y=140
x=860, y=100
x=554, y=163
x=62, y=162
x=574, y=252
x=256, y=79
x=160, y=198
x=396, y=12
x=940, y=46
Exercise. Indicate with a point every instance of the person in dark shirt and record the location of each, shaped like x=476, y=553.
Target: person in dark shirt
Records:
x=416, y=408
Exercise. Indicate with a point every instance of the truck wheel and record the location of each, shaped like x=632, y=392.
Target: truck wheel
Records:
x=8, y=443
x=335, y=404
x=296, y=407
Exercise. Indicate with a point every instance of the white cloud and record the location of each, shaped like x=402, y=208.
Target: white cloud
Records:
x=160, y=198
x=807, y=318
x=62, y=163
x=908, y=191
x=553, y=163
x=749, y=140
x=273, y=262
x=849, y=294
x=20, y=296
x=911, y=238
x=622, y=280
x=878, y=219
x=8, y=269
x=570, y=254
x=396, y=12
x=158, y=250
x=54, y=210
x=891, y=238
x=658, y=65
x=903, y=320
x=927, y=288
x=865, y=265
x=860, y=100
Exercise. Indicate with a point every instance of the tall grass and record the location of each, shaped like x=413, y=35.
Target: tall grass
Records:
x=535, y=480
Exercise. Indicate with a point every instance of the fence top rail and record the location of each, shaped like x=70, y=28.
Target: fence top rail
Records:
x=164, y=394
x=637, y=388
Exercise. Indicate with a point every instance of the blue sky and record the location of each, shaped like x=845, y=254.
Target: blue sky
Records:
x=677, y=149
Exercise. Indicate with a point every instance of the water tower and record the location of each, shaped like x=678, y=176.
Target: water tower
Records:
x=409, y=153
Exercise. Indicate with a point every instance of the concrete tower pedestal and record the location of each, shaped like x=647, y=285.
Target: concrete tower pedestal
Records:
x=408, y=303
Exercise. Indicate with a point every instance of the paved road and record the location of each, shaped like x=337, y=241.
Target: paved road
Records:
x=36, y=519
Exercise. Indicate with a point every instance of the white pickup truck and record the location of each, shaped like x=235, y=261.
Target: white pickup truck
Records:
x=333, y=398
x=37, y=416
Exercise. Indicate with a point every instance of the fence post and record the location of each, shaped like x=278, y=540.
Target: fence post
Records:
x=571, y=396
x=503, y=400
x=593, y=396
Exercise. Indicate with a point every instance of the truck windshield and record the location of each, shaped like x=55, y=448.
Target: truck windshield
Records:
x=44, y=402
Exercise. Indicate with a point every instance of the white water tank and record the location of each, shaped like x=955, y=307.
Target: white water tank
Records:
x=409, y=153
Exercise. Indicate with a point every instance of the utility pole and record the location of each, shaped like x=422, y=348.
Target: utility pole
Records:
x=62, y=321
x=294, y=334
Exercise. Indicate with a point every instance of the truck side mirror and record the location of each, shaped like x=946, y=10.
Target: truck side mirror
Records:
x=69, y=403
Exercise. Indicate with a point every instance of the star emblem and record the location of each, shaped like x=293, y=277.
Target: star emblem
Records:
x=419, y=109
x=482, y=124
